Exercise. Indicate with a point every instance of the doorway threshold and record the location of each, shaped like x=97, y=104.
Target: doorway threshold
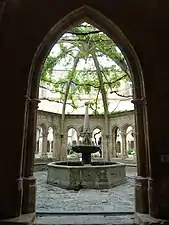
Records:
x=85, y=218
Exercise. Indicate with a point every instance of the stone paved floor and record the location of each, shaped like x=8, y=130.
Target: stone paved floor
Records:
x=86, y=220
x=54, y=199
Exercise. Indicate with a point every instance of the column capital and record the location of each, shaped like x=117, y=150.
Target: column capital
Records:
x=123, y=133
x=35, y=101
x=139, y=101
x=32, y=101
x=27, y=98
x=45, y=134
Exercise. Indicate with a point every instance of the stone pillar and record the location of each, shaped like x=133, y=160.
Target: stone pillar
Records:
x=135, y=155
x=141, y=186
x=63, y=147
x=124, y=145
x=110, y=146
x=56, y=146
x=44, y=144
x=113, y=145
x=158, y=184
x=104, y=154
x=29, y=184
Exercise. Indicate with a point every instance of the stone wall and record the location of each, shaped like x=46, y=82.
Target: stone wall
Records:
x=120, y=120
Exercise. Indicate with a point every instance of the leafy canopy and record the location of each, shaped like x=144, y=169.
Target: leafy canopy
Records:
x=93, y=64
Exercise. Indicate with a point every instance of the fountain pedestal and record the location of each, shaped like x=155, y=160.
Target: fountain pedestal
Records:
x=86, y=148
x=86, y=151
x=86, y=158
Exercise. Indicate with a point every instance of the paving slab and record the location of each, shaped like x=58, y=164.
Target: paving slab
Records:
x=53, y=199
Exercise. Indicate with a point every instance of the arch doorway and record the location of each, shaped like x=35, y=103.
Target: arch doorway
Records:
x=92, y=16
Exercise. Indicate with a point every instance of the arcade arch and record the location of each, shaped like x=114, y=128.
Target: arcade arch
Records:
x=116, y=142
x=129, y=137
x=72, y=139
x=50, y=139
x=95, y=18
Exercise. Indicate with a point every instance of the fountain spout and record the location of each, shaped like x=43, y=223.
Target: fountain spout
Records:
x=86, y=118
x=86, y=148
x=86, y=133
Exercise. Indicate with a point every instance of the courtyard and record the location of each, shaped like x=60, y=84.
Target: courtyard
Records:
x=53, y=199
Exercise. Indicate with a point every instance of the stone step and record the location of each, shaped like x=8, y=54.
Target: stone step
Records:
x=96, y=219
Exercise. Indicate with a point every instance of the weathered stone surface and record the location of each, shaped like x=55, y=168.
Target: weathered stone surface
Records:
x=87, y=219
x=87, y=176
x=54, y=199
x=143, y=219
x=53, y=119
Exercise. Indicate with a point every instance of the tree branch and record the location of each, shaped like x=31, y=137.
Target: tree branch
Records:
x=76, y=60
x=118, y=61
x=124, y=96
x=53, y=91
x=54, y=100
x=109, y=83
x=84, y=33
x=97, y=101
x=116, y=107
x=65, y=40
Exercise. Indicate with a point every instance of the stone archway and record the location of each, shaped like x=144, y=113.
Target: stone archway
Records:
x=124, y=133
x=116, y=144
x=92, y=16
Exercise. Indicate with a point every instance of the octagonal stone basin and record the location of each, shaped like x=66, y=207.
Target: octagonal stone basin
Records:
x=75, y=175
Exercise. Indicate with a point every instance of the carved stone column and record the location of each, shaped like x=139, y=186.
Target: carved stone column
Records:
x=29, y=184
x=158, y=186
x=63, y=150
x=113, y=145
x=44, y=144
x=141, y=187
x=124, y=144
x=104, y=147
x=110, y=147
x=56, y=146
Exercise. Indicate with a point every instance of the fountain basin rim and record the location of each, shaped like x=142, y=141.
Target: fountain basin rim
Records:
x=88, y=149
x=53, y=164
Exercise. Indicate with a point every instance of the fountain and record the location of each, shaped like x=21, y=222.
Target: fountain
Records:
x=86, y=147
x=86, y=174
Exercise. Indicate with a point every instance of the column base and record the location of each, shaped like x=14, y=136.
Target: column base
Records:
x=44, y=156
x=24, y=219
x=11, y=199
x=159, y=197
x=124, y=156
x=141, y=193
x=29, y=195
x=146, y=219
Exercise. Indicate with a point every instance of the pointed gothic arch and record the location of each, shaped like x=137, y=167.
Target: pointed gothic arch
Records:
x=94, y=17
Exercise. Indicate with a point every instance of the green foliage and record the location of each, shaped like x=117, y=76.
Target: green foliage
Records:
x=86, y=42
x=131, y=152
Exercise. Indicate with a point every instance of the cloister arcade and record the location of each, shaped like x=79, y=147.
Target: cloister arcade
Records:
x=48, y=142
